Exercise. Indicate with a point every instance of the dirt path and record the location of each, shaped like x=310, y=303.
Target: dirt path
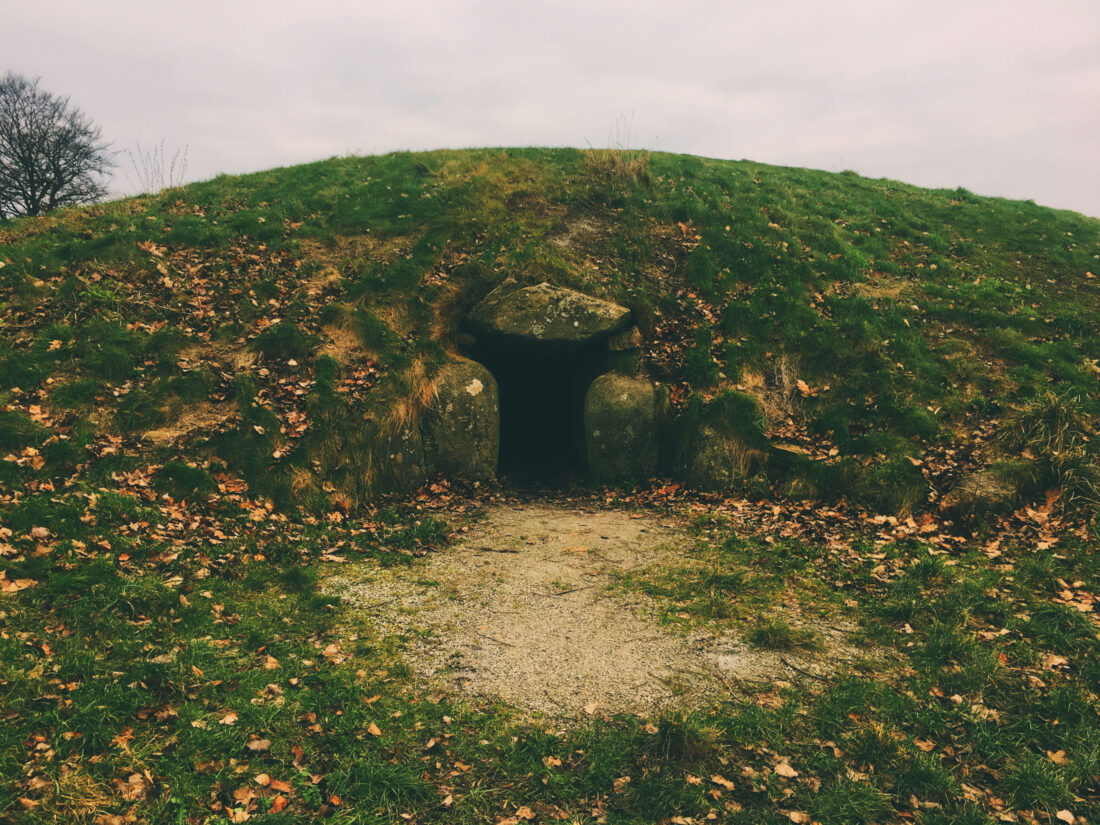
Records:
x=522, y=610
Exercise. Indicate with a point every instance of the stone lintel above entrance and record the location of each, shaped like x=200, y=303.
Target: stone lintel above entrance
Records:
x=547, y=314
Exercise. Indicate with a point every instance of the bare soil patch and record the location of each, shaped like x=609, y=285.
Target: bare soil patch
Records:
x=582, y=232
x=525, y=610
x=201, y=417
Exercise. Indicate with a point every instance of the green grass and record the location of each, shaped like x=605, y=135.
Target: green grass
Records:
x=164, y=643
x=202, y=665
x=912, y=314
x=777, y=634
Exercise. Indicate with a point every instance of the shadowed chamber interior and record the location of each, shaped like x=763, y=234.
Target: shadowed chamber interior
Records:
x=542, y=388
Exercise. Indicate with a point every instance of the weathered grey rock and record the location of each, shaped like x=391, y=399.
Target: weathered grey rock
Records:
x=991, y=490
x=547, y=314
x=710, y=459
x=463, y=426
x=620, y=423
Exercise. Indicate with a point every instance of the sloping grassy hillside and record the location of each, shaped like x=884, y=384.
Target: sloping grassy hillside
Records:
x=285, y=325
x=179, y=373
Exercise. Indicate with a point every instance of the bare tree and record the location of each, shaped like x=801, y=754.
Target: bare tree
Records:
x=51, y=154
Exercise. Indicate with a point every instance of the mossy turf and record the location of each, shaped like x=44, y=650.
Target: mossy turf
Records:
x=867, y=315
x=201, y=389
x=169, y=662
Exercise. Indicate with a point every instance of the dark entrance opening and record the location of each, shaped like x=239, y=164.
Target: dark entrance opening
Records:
x=542, y=388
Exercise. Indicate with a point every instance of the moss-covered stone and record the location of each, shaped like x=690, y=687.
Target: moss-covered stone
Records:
x=720, y=443
x=711, y=459
x=463, y=426
x=547, y=314
x=620, y=422
x=995, y=489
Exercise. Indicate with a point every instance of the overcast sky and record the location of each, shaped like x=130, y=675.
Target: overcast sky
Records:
x=999, y=96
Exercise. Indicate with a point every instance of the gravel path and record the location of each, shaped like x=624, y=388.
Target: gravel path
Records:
x=521, y=610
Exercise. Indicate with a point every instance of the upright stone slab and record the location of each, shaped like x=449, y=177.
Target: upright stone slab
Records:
x=990, y=490
x=547, y=314
x=719, y=444
x=620, y=423
x=463, y=426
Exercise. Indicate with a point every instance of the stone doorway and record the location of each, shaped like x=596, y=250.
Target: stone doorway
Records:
x=546, y=387
x=543, y=344
x=542, y=390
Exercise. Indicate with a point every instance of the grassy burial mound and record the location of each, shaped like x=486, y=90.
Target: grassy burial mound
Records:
x=212, y=610
x=812, y=334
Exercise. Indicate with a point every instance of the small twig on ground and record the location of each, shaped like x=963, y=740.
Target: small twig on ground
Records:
x=562, y=592
x=497, y=641
x=803, y=672
x=494, y=550
x=729, y=687
x=657, y=678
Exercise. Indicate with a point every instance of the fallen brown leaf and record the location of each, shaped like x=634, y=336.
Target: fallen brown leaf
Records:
x=721, y=781
x=784, y=769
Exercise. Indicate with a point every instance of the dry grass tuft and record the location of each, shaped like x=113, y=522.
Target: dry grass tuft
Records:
x=202, y=417
x=228, y=356
x=339, y=250
x=777, y=393
x=396, y=318
x=301, y=481
x=343, y=344
x=1058, y=433
x=75, y=797
x=621, y=168
x=744, y=459
x=422, y=391
x=446, y=310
